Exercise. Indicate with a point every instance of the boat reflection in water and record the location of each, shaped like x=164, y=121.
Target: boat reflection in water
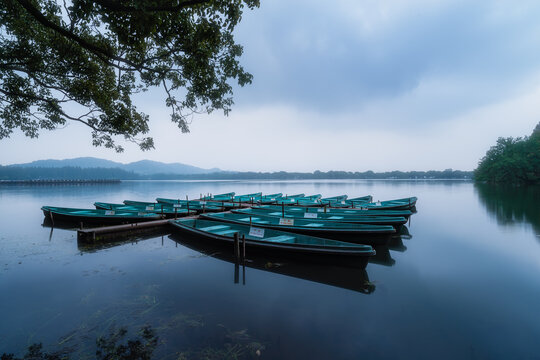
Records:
x=85, y=247
x=334, y=274
x=382, y=256
x=120, y=239
x=396, y=244
x=404, y=232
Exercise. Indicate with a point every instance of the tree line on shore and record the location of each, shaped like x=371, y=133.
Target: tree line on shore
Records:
x=76, y=173
x=512, y=161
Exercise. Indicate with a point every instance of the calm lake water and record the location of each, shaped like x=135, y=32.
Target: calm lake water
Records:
x=465, y=285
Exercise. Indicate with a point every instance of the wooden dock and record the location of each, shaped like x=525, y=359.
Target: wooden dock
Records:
x=99, y=234
x=107, y=233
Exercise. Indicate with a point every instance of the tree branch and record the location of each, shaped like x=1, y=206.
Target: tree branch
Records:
x=116, y=6
x=103, y=54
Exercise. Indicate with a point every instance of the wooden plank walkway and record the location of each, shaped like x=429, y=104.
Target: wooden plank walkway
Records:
x=107, y=233
x=99, y=234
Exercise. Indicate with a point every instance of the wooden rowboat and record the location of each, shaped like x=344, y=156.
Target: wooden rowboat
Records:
x=161, y=209
x=96, y=216
x=395, y=221
x=345, y=211
x=272, y=241
x=220, y=197
x=397, y=204
x=199, y=205
x=356, y=233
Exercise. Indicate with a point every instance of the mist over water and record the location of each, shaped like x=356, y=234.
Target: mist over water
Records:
x=464, y=285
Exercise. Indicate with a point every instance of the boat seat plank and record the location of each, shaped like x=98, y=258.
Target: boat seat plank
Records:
x=225, y=232
x=280, y=238
x=215, y=228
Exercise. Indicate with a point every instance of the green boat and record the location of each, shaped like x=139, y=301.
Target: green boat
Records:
x=356, y=233
x=220, y=197
x=95, y=216
x=346, y=211
x=193, y=205
x=397, y=204
x=294, y=196
x=306, y=201
x=265, y=240
x=285, y=201
x=395, y=221
x=339, y=198
x=199, y=205
x=162, y=209
x=313, y=197
x=269, y=199
x=246, y=198
x=139, y=203
x=361, y=199
x=343, y=202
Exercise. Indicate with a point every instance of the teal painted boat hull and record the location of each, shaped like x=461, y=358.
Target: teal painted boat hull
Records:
x=397, y=204
x=355, y=233
x=199, y=205
x=94, y=216
x=160, y=209
x=346, y=211
x=272, y=241
x=396, y=221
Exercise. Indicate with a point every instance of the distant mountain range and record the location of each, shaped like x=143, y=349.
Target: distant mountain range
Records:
x=143, y=167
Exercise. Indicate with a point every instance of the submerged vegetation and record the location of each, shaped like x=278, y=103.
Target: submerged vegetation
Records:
x=512, y=161
x=116, y=346
x=108, y=347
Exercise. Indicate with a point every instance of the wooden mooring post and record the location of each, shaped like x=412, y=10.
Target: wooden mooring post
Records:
x=243, y=247
x=236, y=273
x=236, y=247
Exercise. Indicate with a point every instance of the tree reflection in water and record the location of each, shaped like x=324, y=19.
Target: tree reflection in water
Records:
x=511, y=205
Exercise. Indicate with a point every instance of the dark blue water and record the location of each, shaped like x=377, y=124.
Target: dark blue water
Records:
x=466, y=285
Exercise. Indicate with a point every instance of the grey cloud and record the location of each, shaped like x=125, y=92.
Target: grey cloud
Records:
x=350, y=69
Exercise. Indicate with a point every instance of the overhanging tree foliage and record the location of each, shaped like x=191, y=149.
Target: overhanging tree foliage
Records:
x=84, y=60
x=515, y=161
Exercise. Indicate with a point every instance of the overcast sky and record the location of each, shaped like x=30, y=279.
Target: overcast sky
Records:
x=352, y=85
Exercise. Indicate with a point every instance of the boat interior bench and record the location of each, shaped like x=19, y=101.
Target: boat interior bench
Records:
x=215, y=228
x=280, y=238
x=314, y=224
x=219, y=229
x=225, y=232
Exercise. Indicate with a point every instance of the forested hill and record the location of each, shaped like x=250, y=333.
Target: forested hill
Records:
x=143, y=167
x=77, y=173
x=512, y=161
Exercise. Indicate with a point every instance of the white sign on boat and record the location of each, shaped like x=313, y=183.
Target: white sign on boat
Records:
x=286, y=221
x=256, y=232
